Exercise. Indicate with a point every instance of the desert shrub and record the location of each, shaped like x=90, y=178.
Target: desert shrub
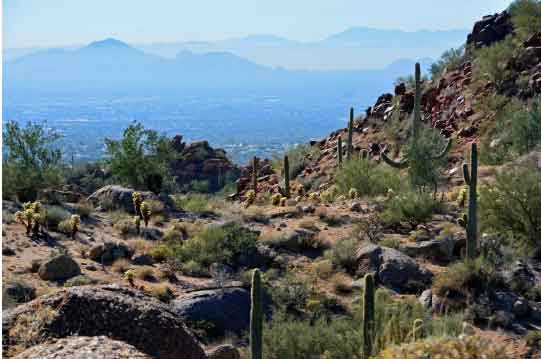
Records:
x=140, y=153
x=343, y=254
x=367, y=177
x=491, y=63
x=31, y=160
x=29, y=328
x=526, y=17
x=163, y=293
x=194, y=269
x=145, y=273
x=322, y=269
x=512, y=205
x=410, y=206
x=54, y=215
x=294, y=243
x=228, y=244
x=341, y=283
x=368, y=228
x=83, y=208
x=449, y=60
x=390, y=242
x=125, y=227
x=255, y=214
x=8, y=217
x=160, y=253
x=193, y=202
x=79, y=280
x=173, y=235
x=467, y=347
x=291, y=293
x=526, y=129
x=533, y=339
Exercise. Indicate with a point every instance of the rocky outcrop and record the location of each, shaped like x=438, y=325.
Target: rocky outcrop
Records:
x=108, y=252
x=441, y=249
x=60, y=267
x=227, y=309
x=120, y=313
x=99, y=347
x=490, y=29
x=393, y=269
x=117, y=197
x=198, y=161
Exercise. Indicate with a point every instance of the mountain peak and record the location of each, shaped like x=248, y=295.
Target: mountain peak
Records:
x=108, y=43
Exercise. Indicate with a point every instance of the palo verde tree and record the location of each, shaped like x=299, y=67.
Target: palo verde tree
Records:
x=139, y=154
x=424, y=154
x=31, y=160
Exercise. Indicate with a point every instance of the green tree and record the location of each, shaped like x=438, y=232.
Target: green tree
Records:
x=449, y=60
x=31, y=162
x=139, y=154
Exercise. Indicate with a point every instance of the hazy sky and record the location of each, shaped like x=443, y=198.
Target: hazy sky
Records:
x=62, y=22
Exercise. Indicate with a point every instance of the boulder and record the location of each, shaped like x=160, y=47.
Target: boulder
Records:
x=99, y=347
x=490, y=29
x=226, y=351
x=60, y=267
x=118, y=196
x=108, y=252
x=20, y=292
x=441, y=249
x=117, y=312
x=152, y=234
x=426, y=299
x=143, y=260
x=227, y=309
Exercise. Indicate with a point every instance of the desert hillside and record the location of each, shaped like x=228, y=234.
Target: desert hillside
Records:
x=413, y=232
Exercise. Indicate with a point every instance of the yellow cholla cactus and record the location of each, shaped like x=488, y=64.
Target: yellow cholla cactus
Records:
x=275, y=199
x=30, y=216
x=146, y=212
x=352, y=194
x=314, y=197
x=461, y=198
x=250, y=198
x=75, y=222
x=137, y=223
x=129, y=275
x=137, y=201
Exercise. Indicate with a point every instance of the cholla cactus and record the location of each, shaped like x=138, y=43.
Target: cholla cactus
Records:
x=250, y=198
x=275, y=199
x=461, y=198
x=314, y=197
x=75, y=222
x=352, y=194
x=283, y=201
x=146, y=212
x=129, y=275
x=30, y=217
x=137, y=201
x=137, y=223
x=36, y=220
x=330, y=194
x=298, y=199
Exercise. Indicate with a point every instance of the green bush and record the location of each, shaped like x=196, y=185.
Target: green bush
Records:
x=343, y=254
x=491, y=63
x=299, y=157
x=412, y=207
x=291, y=293
x=526, y=129
x=526, y=17
x=367, y=177
x=449, y=60
x=193, y=202
x=55, y=215
x=512, y=205
x=79, y=280
x=31, y=160
x=228, y=244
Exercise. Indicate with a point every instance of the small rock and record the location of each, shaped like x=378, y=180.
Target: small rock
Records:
x=225, y=351
x=8, y=251
x=426, y=298
x=356, y=207
x=152, y=234
x=143, y=260
x=520, y=308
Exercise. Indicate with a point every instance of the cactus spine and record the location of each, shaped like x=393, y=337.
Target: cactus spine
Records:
x=286, y=176
x=256, y=318
x=349, y=148
x=339, y=151
x=470, y=177
x=368, y=314
x=254, y=174
x=415, y=124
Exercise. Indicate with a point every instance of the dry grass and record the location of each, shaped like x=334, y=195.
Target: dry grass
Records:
x=145, y=273
x=323, y=269
x=121, y=265
x=341, y=283
x=141, y=245
x=29, y=328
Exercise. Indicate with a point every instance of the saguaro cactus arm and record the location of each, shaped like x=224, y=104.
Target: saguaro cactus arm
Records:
x=404, y=163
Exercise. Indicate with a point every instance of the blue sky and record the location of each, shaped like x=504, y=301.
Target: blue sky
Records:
x=63, y=22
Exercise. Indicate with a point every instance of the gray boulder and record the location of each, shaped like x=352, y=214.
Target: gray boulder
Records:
x=99, y=347
x=117, y=196
x=441, y=249
x=119, y=313
x=60, y=267
x=108, y=252
x=227, y=309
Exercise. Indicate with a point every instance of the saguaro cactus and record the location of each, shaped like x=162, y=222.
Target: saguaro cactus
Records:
x=470, y=177
x=254, y=173
x=415, y=124
x=368, y=314
x=349, y=149
x=339, y=151
x=256, y=318
x=286, y=176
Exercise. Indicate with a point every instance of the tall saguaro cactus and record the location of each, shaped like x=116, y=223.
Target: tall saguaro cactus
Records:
x=339, y=151
x=286, y=176
x=470, y=177
x=369, y=314
x=349, y=148
x=254, y=173
x=256, y=318
x=415, y=124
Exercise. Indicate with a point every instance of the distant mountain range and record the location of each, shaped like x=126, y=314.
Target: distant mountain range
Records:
x=112, y=67
x=353, y=49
